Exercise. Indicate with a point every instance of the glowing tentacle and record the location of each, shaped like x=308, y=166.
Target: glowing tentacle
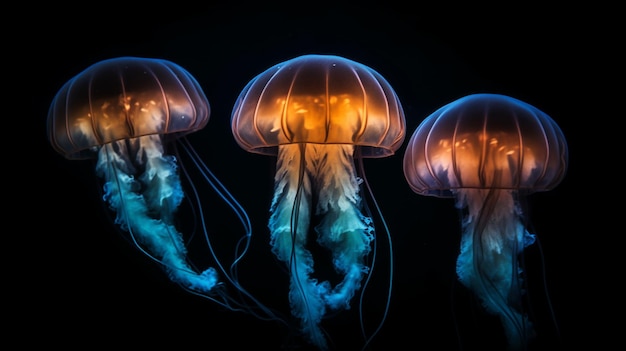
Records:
x=145, y=206
x=343, y=229
x=289, y=224
x=163, y=190
x=492, y=239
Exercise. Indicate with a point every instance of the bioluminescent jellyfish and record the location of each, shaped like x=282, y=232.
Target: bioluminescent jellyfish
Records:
x=488, y=151
x=317, y=114
x=130, y=114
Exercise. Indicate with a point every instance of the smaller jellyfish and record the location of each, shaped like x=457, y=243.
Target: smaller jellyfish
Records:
x=317, y=114
x=488, y=151
x=130, y=114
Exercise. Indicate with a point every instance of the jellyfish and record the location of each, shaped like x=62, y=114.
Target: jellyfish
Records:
x=129, y=114
x=317, y=114
x=489, y=151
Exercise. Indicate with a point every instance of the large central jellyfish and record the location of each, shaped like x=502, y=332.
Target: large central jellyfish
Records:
x=488, y=151
x=126, y=113
x=317, y=113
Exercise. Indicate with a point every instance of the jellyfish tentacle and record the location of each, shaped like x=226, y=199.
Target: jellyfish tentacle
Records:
x=493, y=237
x=134, y=204
x=288, y=224
x=163, y=190
x=343, y=229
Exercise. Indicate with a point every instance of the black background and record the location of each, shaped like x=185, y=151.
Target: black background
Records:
x=88, y=287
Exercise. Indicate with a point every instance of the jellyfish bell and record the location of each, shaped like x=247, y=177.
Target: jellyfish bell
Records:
x=319, y=99
x=124, y=98
x=131, y=115
x=517, y=146
x=488, y=151
x=316, y=114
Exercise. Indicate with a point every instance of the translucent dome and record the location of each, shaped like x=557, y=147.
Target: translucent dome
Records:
x=321, y=99
x=124, y=98
x=485, y=141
